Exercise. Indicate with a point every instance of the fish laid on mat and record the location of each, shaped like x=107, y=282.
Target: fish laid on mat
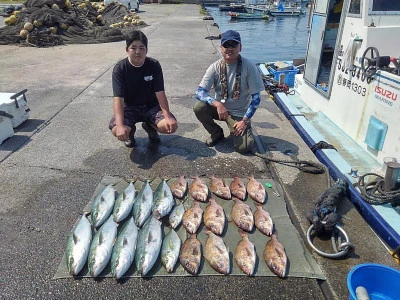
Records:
x=124, y=249
x=143, y=204
x=124, y=203
x=219, y=188
x=163, y=201
x=103, y=205
x=199, y=189
x=214, y=217
x=176, y=215
x=101, y=247
x=190, y=255
x=191, y=219
x=245, y=255
x=148, y=245
x=275, y=256
x=78, y=244
x=171, y=246
x=242, y=215
x=179, y=187
x=216, y=253
x=238, y=188
x=255, y=190
x=263, y=220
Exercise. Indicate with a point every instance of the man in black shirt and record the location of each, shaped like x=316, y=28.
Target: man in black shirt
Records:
x=139, y=95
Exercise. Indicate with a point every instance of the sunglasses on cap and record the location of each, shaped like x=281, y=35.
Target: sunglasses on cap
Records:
x=230, y=44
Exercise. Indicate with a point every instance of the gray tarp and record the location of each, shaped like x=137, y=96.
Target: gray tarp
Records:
x=300, y=261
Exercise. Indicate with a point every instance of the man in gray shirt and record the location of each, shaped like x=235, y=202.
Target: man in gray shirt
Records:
x=237, y=85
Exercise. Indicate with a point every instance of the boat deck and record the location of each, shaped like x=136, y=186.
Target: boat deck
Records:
x=347, y=155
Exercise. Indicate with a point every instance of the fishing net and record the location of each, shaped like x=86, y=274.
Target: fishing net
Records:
x=45, y=23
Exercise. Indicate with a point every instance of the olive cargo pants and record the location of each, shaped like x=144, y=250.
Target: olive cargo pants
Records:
x=206, y=114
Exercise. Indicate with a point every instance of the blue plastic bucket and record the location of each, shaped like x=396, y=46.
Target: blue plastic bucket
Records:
x=380, y=281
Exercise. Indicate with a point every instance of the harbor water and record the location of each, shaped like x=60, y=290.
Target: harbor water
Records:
x=281, y=38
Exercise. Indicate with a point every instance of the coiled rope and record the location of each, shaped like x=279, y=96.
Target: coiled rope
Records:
x=373, y=193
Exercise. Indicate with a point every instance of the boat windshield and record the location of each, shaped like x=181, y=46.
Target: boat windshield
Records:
x=385, y=5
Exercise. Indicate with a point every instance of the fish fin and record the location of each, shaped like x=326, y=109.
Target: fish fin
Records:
x=125, y=242
x=75, y=238
x=249, y=253
x=218, y=212
x=195, y=251
x=123, y=196
x=220, y=250
x=101, y=238
x=150, y=237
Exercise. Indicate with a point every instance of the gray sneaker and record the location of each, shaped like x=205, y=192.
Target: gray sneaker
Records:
x=131, y=142
x=153, y=134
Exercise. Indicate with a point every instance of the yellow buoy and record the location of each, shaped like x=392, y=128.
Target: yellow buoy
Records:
x=23, y=33
x=37, y=23
x=28, y=26
x=53, y=29
x=13, y=19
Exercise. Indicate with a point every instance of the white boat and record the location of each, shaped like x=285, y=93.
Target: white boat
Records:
x=348, y=97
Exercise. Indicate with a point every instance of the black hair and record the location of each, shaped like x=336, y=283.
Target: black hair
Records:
x=136, y=35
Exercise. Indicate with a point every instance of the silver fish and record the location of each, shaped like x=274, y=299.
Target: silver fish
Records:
x=216, y=253
x=170, y=250
x=245, y=255
x=142, y=204
x=179, y=187
x=101, y=247
x=191, y=219
x=176, y=215
x=124, y=203
x=78, y=244
x=124, y=249
x=103, y=205
x=163, y=201
x=148, y=245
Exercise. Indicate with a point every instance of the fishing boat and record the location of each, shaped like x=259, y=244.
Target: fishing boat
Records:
x=248, y=16
x=346, y=104
x=236, y=7
x=282, y=11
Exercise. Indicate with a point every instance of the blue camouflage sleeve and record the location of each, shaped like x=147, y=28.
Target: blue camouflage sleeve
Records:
x=255, y=102
x=202, y=95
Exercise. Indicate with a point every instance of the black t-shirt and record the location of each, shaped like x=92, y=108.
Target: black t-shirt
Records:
x=137, y=85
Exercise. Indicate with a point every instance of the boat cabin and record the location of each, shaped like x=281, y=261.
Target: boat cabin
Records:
x=352, y=73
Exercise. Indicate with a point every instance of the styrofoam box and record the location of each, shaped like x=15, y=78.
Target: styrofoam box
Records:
x=17, y=107
x=298, y=83
x=6, y=129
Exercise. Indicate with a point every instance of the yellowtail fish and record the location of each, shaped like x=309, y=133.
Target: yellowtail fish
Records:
x=170, y=250
x=101, y=247
x=78, y=244
x=124, y=203
x=163, y=201
x=103, y=205
x=142, y=205
x=124, y=249
x=176, y=215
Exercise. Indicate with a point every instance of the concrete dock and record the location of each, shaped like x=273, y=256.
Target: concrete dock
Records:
x=50, y=168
